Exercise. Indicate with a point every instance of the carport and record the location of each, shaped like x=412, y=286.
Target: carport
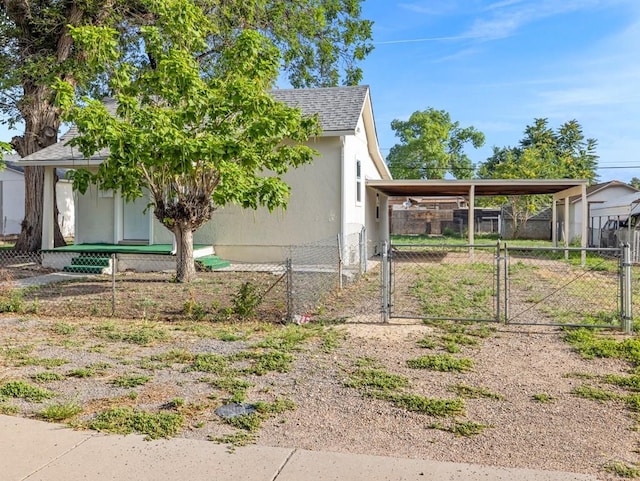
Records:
x=561, y=189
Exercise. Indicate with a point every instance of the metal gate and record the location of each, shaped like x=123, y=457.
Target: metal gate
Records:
x=514, y=285
x=457, y=282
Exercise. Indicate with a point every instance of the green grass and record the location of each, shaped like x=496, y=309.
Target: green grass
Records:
x=587, y=391
x=213, y=363
x=375, y=379
x=237, y=388
x=630, y=383
x=430, y=406
x=262, y=363
x=60, y=412
x=143, y=335
x=129, y=381
x=441, y=362
x=543, y=398
x=591, y=344
x=462, y=428
x=24, y=390
x=47, y=376
x=623, y=470
x=125, y=420
x=474, y=392
x=8, y=409
x=289, y=338
x=92, y=370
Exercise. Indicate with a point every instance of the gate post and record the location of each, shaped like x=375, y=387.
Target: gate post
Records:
x=625, y=292
x=498, y=259
x=385, y=282
x=506, y=284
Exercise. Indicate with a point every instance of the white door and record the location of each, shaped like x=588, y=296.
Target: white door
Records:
x=135, y=221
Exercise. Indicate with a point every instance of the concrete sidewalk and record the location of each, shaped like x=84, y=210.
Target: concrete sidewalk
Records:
x=38, y=451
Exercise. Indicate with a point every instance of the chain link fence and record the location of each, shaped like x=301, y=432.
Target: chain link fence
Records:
x=303, y=288
x=336, y=279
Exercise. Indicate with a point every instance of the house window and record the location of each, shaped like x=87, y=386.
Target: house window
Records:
x=377, y=207
x=358, y=182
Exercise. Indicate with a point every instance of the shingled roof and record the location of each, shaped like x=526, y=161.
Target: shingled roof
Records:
x=339, y=109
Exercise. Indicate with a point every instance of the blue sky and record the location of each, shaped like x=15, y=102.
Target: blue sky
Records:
x=498, y=65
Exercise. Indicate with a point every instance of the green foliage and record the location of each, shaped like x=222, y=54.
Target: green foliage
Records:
x=595, y=394
x=195, y=139
x=143, y=335
x=264, y=410
x=375, y=379
x=125, y=420
x=213, y=363
x=47, y=376
x=96, y=369
x=542, y=154
x=237, y=388
x=589, y=343
x=542, y=397
x=24, y=390
x=8, y=409
x=431, y=145
x=430, y=406
x=623, y=470
x=462, y=428
x=247, y=300
x=63, y=328
x=288, y=338
x=474, y=392
x=130, y=381
x=441, y=362
x=60, y=412
x=265, y=362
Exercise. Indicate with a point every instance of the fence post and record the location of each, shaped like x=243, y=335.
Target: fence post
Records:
x=339, y=262
x=363, y=250
x=498, y=259
x=385, y=283
x=627, y=315
x=506, y=284
x=114, y=268
x=289, y=289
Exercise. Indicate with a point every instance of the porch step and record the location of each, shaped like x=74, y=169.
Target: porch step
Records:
x=89, y=265
x=211, y=263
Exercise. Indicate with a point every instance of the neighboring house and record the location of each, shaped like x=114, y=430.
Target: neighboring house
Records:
x=12, y=192
x=597, y=195
x=329, y=198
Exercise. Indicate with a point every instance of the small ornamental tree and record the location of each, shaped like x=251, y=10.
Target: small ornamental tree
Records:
x=195, y=139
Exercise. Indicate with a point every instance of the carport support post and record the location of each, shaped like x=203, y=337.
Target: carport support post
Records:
x=471, y=219
x=385, y=282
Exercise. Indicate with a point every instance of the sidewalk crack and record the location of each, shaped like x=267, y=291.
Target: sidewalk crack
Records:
x=286, y=461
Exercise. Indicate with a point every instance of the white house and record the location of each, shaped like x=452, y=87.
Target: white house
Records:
x=597, y=195
x=12, y=191
x=329, y=197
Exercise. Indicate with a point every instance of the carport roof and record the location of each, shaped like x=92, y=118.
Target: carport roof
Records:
x=482, y=187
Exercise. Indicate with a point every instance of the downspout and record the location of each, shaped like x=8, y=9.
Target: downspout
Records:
x=343, y=194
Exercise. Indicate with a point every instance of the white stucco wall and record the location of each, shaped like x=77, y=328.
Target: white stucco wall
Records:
x=313, y=214
x=95, y=217
x=12, y=201
x=605, y=195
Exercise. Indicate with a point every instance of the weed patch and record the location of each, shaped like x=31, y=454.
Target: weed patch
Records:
x=474, y=392
x=24, y=390
x=47, y=376
x=265, y=362
x=542, y=398
x=130, y=381
x=623, y=470
x=60, y=412
x=8, y=409
x=430, y=406
x=375, y=379
x=125, y=420
x=595, y=394
x=462, y=428
x=213, y=363
x=441, y=362
x=143, y=335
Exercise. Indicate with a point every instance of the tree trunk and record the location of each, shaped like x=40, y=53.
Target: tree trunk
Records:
x=185, y=265
x=42, y=121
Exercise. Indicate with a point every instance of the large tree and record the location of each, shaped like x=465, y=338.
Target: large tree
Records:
x=194, y=141
x=321, y=42
x=543, y=153
x=432, y=145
